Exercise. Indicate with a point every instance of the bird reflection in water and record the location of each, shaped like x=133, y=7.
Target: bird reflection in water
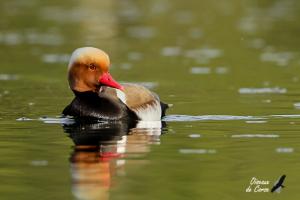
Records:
x=102, y=150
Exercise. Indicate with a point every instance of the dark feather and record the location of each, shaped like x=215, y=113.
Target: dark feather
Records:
x=164, y=108
x=278, y=184
x=91, y=105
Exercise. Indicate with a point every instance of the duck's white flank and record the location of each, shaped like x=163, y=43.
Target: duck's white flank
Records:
x=153, y=127
x=151, y=112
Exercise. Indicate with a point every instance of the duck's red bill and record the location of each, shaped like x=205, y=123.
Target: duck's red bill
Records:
x=107, y=80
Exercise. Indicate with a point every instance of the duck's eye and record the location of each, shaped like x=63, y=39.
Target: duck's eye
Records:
x=92, y=66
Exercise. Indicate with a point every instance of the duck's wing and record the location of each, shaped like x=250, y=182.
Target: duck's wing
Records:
x=144, y=103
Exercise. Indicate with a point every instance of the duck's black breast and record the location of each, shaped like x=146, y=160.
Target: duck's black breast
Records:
x=92, y=105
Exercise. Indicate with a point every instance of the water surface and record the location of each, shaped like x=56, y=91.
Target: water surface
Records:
x=230, y=69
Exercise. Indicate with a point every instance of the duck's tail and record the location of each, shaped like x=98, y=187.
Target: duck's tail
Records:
x=164, y=107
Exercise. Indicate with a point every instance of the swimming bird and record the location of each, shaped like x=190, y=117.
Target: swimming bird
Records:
x=99, y=96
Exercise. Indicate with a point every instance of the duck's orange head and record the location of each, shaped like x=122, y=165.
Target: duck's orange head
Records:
x=89, y=69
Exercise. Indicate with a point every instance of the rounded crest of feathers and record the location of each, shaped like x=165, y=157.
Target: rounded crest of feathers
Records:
x=89, y=55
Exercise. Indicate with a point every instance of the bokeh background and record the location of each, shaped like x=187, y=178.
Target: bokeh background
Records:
x=230, y=57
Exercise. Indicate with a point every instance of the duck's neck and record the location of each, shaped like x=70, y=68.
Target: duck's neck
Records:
x=88, y=93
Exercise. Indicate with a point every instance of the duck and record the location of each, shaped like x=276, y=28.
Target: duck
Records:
x=98, y=96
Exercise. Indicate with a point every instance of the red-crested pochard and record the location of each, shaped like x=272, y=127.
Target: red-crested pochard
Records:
x=98, y=95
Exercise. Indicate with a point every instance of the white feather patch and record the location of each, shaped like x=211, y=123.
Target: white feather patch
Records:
x=151, y=112
x=88, y=52
x=77, y=55
x=121, y=95
x=153, y=127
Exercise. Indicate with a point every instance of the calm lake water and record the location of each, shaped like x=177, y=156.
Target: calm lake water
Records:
x=230, y=68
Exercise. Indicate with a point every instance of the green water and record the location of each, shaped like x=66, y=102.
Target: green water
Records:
x=217, y=62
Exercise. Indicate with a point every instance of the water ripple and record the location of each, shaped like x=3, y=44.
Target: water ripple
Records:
x=8, y=77
x=255, y=136
x=197, y=151
x=285, y=150
x=180, y=118
x=275, y=90
x=175, y=118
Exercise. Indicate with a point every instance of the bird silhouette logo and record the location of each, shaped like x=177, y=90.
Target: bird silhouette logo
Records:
x=278, y=184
